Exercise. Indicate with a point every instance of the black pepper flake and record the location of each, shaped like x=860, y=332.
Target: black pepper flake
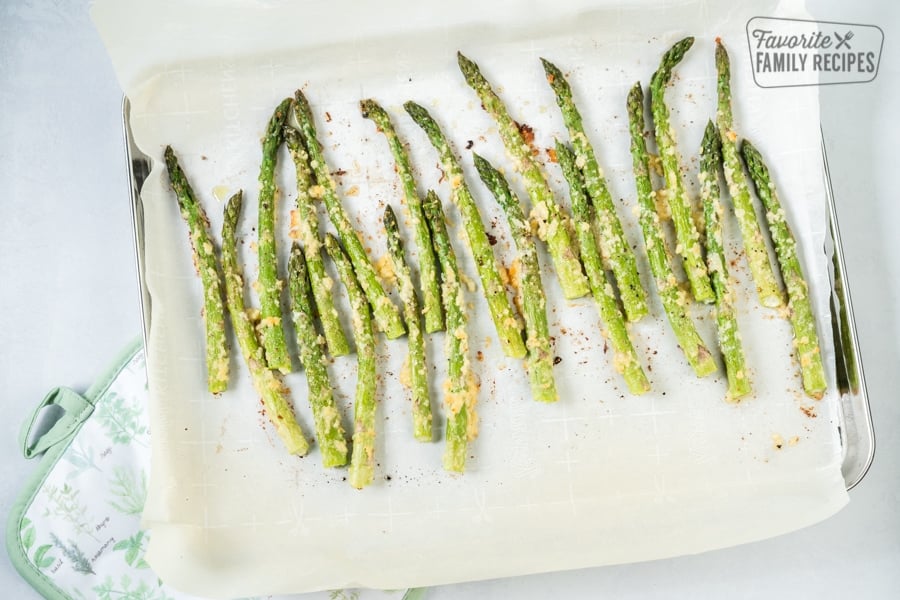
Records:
x=557, y=360
x=492, y=239
x=469, y=144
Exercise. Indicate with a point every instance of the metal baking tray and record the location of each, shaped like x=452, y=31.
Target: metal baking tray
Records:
x=855, y=424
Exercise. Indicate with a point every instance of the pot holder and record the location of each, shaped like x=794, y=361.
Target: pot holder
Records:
x=75, y=531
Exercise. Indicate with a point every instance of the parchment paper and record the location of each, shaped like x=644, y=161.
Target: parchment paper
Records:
x=601, y=477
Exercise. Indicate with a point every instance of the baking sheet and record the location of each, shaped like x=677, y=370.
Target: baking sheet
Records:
x=602, y=477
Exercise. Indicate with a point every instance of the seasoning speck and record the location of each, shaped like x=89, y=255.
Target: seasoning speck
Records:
x=777, y=441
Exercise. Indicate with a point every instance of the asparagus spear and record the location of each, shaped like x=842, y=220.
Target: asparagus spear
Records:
x=539, y=361
x=613, y=245
x=275, y=395
x=754, y=245
x=329, y=430
x=615, y=329
x=508, y=328
x=308, y=224
x=553, y=224
x=679, y=205
x=387, y=316
x=803, y=320
x=726, y=319
x=362, y=459
x=269, y=285
x=461, y=390
x=428, y=274
x=208, y=269
x=418, y=376
x=674, y=300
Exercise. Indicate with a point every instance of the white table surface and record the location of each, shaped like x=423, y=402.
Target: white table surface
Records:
x=68, y=299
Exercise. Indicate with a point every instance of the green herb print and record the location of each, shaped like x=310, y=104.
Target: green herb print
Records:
x=126, y=589
x=26, y=532
x=121, y=418
x=81, y=459
x=134, y=550
x=129, y=491
x=63, y=502
x=41, y=559
x=71, y=551
x=343, y=595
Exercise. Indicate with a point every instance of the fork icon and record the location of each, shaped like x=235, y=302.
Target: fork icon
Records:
x=843, y=41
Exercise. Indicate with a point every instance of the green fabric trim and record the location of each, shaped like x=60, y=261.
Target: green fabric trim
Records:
x=69, y=401
x=76, y=409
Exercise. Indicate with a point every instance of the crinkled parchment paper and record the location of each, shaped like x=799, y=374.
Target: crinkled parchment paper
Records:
x=602, y=476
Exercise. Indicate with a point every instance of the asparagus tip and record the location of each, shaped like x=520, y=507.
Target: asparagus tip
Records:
x=236, y=199
x=232, y=212
x=548, y=66
x=749, y=152
x=636, y=94
x=484, y=170
x=671, y=58
x=415, y=110
x=466, y=64
x=746, y=146
x=559, y=145
x=366, y=106
x=330, y=240
x=721, y=53
x=279, y=117
x=389, y=216
x=711, y=134
x=171, y=163
x=300, y=102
